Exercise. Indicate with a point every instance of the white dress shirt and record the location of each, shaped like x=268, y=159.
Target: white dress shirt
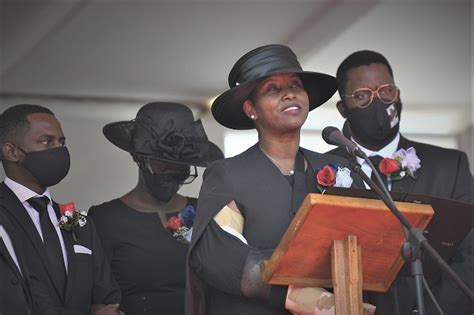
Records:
x=23, y=194
x=386, y=151
x=8, y=244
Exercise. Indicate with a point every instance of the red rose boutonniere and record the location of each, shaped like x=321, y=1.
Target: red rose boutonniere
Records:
x=388, y=166
x=333, y=175
x=403, y=163
x=70, y=218
x=182, y=225
x=326, y=176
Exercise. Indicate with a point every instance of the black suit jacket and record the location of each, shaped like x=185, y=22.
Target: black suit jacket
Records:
x=89, y=280
x=444, y=173
x=266, y=200
x=15, y=298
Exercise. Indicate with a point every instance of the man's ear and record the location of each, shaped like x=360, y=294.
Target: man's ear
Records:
x=249, y=110
x=10, y=152
x=341, y=108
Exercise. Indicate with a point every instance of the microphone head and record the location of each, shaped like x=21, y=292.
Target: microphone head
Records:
x=326, y=134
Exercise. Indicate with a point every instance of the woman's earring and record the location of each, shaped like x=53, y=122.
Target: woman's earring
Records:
x=252, y=117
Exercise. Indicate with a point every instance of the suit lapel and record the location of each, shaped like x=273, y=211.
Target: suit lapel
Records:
x=16, y=209
x=71, y=263
x=5, y=223
x=405, y=184
x=23, y=275
x=310, y=175
x=289, y=193
x=299, y=183
x=22, y=271
x=18, y=212
x=6, y=254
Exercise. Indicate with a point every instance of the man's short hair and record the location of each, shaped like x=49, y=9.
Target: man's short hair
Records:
x=14, y=121
x=357, y=59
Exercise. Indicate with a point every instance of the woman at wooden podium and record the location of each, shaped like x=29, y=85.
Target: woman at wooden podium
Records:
x=247, y=202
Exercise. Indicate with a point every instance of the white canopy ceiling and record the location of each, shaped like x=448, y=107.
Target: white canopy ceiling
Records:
x=113, y=51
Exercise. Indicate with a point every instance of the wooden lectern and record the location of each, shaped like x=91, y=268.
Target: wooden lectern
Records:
x=348, y=243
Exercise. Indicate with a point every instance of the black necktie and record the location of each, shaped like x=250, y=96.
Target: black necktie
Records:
x=376, y=159
x=51, y=241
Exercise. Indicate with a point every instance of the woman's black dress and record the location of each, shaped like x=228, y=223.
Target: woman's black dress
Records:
x=147, y=262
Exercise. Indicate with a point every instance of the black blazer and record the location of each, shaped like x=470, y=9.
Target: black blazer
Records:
x=15, y=297
x=443, y=173
x=266, y=200
x=89, y=280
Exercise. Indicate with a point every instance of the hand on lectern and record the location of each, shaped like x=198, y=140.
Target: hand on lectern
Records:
x=314, y=301
x=309, y=301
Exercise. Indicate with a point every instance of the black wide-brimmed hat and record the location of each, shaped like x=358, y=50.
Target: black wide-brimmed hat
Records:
x=255, y=66
x=164, y=131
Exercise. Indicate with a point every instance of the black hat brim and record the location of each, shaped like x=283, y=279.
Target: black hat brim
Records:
x=120, y=134
x=227, y=109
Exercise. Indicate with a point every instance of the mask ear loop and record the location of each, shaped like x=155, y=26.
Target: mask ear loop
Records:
x=148, y=166
x=18, y=147
x=143, y=163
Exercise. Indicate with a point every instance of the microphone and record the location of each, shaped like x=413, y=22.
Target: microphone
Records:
x=334, y=136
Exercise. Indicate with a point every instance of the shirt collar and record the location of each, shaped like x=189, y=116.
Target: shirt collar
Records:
x=386, y=151
x=24, y=193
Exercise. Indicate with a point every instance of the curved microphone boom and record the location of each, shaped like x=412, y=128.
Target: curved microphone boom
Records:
x=334, y=136
x=415, y=240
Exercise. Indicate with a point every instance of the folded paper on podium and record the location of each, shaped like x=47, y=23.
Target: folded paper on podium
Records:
x=303, y=257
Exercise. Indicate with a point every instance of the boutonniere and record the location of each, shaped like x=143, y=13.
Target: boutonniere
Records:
x=403, y=163
x=333, y=176
x=181, y=226
x=70, y=218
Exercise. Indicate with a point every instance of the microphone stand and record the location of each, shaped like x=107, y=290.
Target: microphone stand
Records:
x=415, y=240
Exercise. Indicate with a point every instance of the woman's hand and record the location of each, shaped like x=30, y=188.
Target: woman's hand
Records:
x=315, y=301
x=109, y=309
x=309, y=301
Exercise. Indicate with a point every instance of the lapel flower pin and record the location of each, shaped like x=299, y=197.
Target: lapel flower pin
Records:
x=333, y=176
x=70, y=218
x=403, y=163
x=181, y=226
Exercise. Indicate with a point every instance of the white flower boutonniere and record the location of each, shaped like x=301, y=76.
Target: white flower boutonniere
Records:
x=333, y=176
x=404, y=163
x=70, y=218
x=343, y=177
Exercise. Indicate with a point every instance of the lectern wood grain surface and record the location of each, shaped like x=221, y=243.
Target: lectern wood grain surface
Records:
x=347, y=276
x=303, y=257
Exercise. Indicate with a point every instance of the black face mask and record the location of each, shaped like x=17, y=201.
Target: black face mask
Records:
x=161, y=186
x=377, y=124
x=49, y=166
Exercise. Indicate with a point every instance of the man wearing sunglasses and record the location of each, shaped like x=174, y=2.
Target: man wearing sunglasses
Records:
x=370, y=103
